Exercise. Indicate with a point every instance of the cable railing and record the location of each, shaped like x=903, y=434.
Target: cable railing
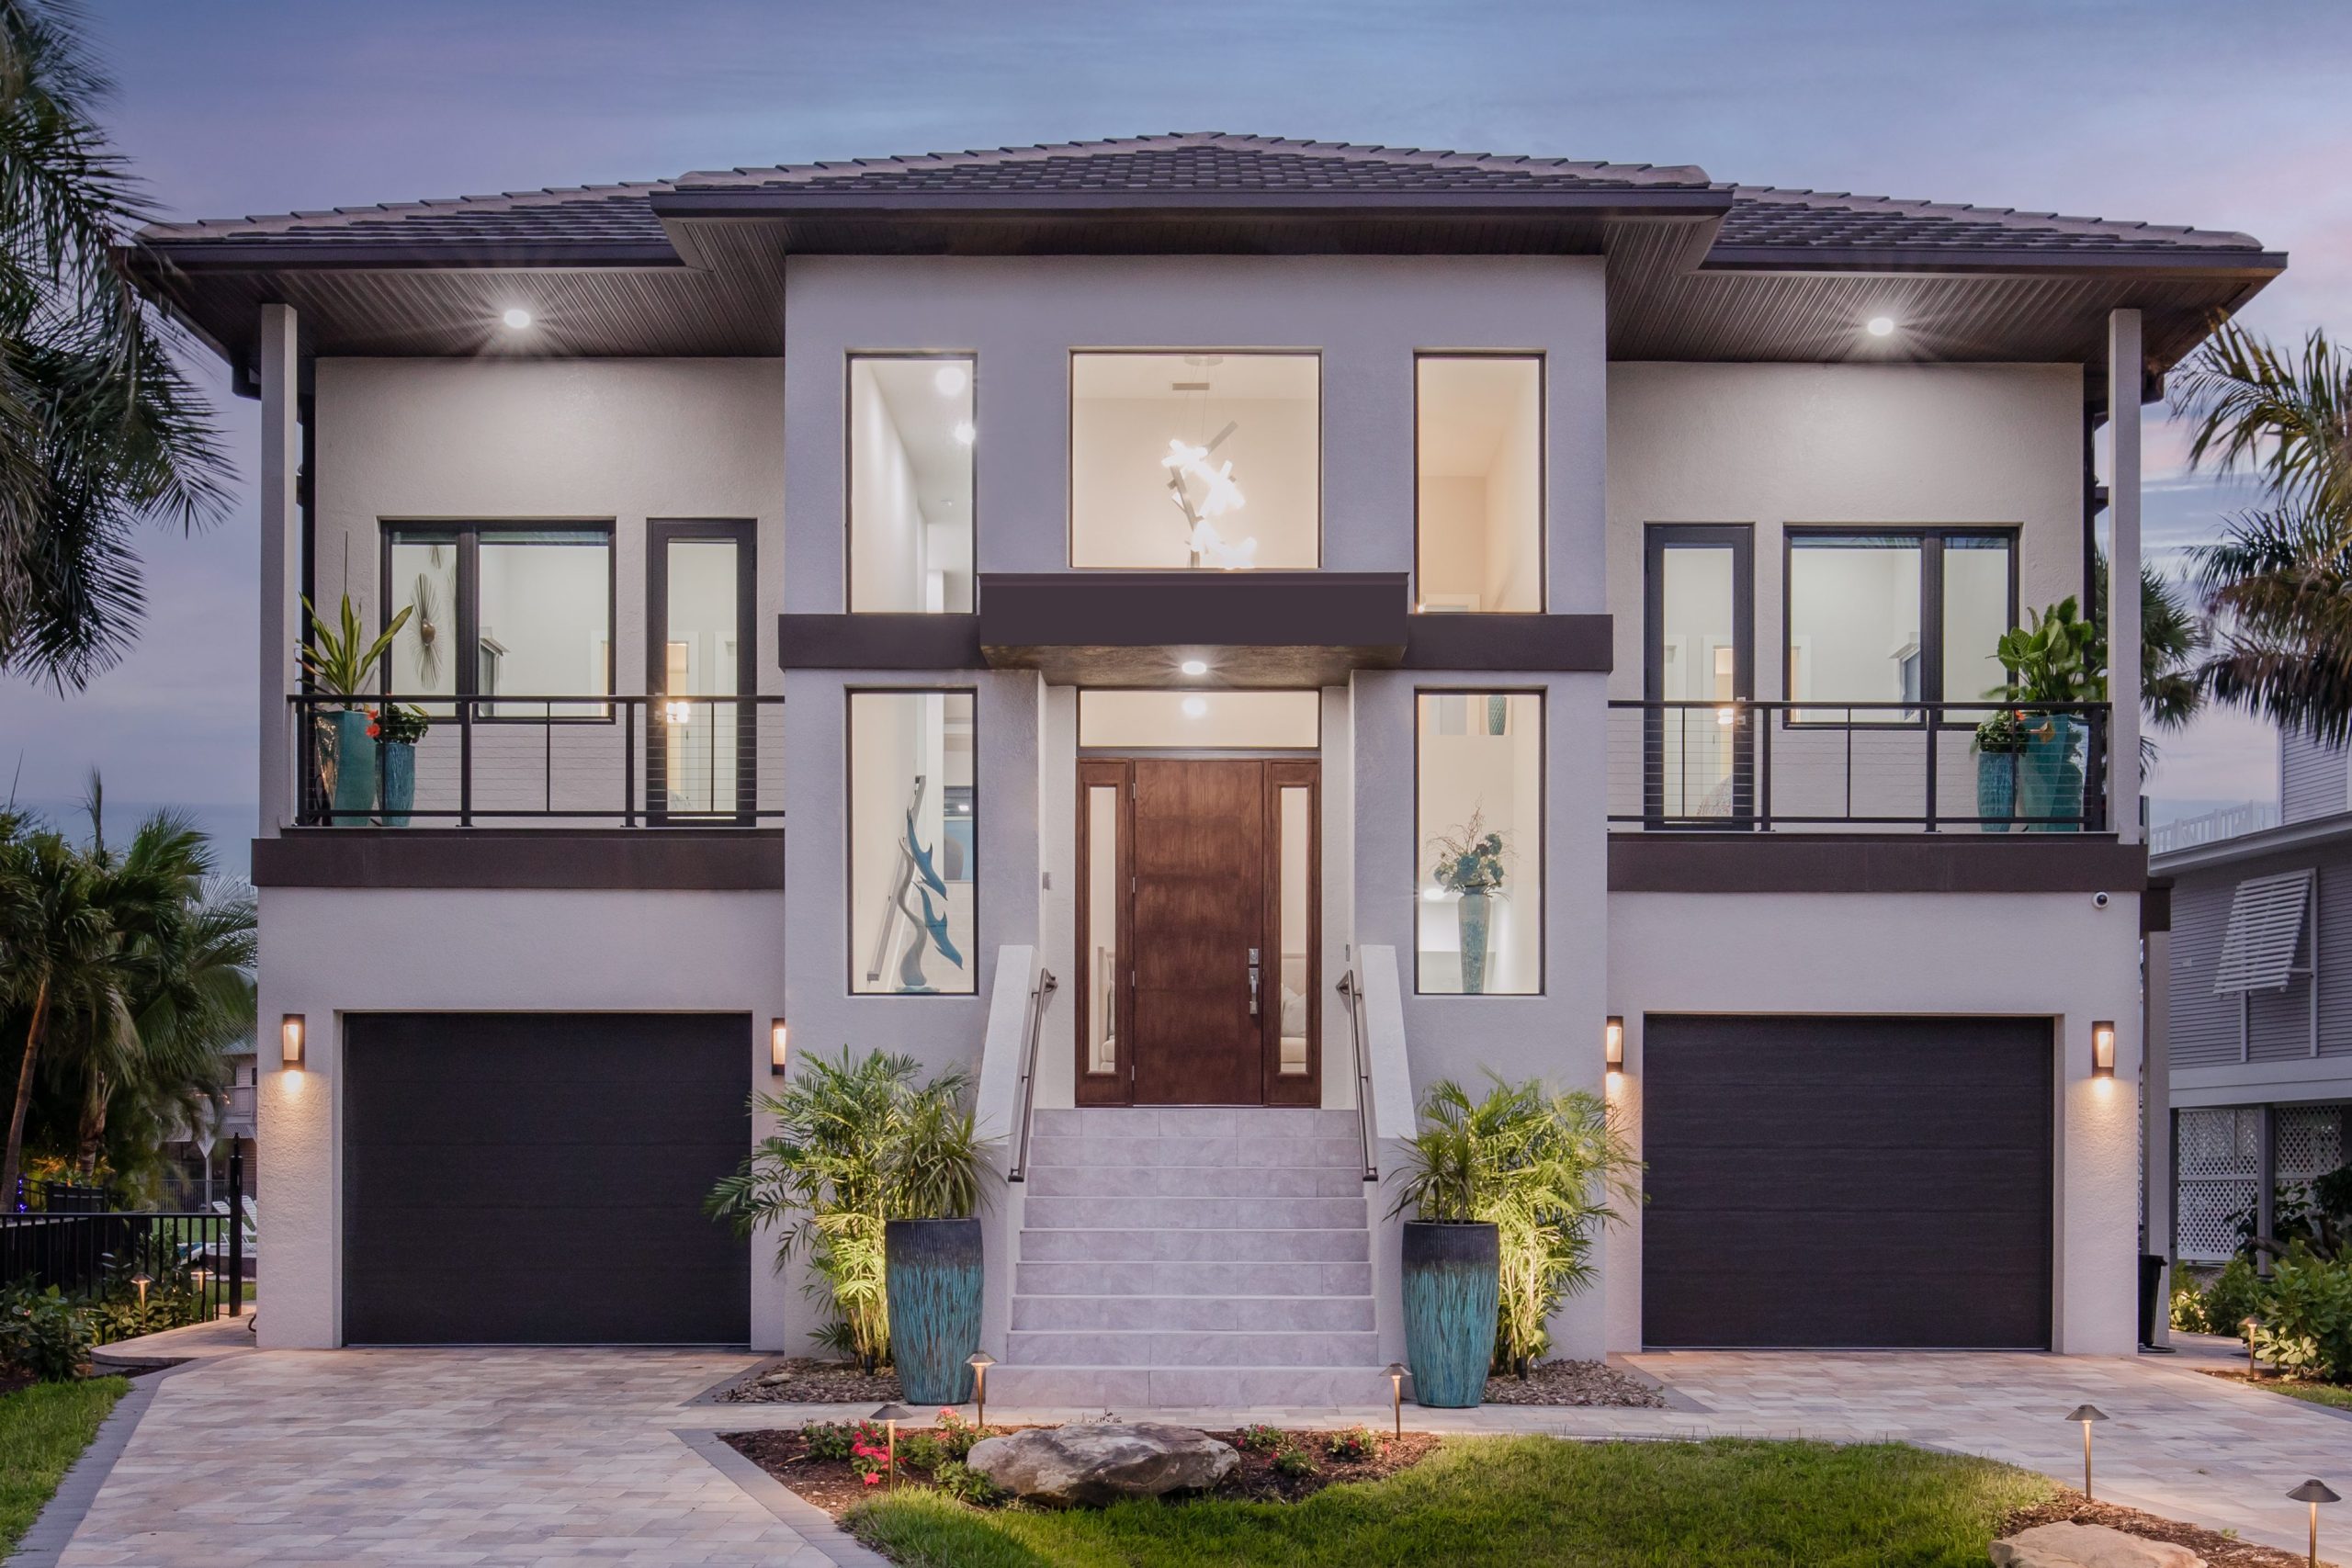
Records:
x=1739, y=765
x=1041, y=991
x=434, y=760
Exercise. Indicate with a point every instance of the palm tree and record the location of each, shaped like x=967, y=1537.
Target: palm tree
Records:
x=99, y=429
x=2280, y=579
x=2171, y=637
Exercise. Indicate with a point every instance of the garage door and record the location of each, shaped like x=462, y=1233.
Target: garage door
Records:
x=539, y=1178
x=1847, y=1182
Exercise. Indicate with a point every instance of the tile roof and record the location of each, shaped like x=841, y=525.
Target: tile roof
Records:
x=1792, y=221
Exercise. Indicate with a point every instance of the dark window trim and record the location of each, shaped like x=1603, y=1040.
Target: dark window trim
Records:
x=1657, y=539
x=659, y=533
x=1931, y=537
x=1069, y=443
x=849, y=839
x=970, y=358
x=466, y=533
x=1543, y=835
x=1543, y=468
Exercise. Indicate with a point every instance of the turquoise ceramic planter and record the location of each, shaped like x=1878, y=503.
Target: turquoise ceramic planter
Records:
x=1997, y=789
x=1453, y=1279
x=931, y=1273
x=400, y=781
x=1473, y=912
x=2050, y=774
x=347, y=767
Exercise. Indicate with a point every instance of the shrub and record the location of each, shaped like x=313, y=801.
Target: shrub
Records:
x=1260, y=1440
x=2237, y=1294
x=1292, y=1459
x=828, y=1440
x=43, y=1334
x=956, y=1436
x=1357, y=1443
x=922, y=1450
x=964, y=1483
x=2307, y=1323
x=2189, y=1310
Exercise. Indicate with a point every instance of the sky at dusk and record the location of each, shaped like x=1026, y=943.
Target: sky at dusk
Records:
x=2223, y=115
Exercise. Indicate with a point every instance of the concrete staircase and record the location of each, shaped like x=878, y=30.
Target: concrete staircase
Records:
x=1193, y=1256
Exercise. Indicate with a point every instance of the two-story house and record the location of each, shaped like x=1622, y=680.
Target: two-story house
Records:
x=1063, y=613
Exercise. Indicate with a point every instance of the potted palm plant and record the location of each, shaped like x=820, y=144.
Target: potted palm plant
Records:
x=2053, y=660
x=931, y=1245
x=1470, y=865
x=340, y=665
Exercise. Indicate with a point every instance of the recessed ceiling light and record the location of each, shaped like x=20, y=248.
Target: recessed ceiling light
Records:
x=1195, y=707
x=949, y=380
x=965, y=434
x=516, y=318
x=1194, y=667
x=1881, y=325
x=1432, y=895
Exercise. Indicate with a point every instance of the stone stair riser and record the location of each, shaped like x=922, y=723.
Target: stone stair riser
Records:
x=1191, y=1280
x=1193, y=1214
x=1170, y=1348
x=1193, y=1315
x=1193, y=1181
x=1135, y=1245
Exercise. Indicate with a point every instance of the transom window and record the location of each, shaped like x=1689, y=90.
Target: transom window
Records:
x=1895, y=615
x=502, y=608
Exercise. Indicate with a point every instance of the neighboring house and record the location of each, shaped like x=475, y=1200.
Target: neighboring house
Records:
x=846, y=592
x=2259, y=985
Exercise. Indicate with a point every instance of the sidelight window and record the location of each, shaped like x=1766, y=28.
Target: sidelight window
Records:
x=1893, y=616
x=1479, y=820
x=1478, y=470
x=502, y=609
x=912, y=431
x=914, y=846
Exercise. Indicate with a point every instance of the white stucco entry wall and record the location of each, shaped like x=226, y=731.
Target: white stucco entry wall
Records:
x=2054, y=955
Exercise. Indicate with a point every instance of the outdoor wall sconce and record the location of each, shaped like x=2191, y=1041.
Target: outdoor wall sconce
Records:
x=289, y=1043
x=2102, y=1050
x=890, y=1415
x=777, y=1045
x=1612, y=1035
x=2314, y=1492
x=1396, y=1395
x=980, y=1362
x=2086, y=1414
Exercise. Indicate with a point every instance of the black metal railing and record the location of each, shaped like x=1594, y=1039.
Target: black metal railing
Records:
x=140, y=1272
x=1748, y=766
x=1353, y=989
x=1041, y=992
x=502, y=760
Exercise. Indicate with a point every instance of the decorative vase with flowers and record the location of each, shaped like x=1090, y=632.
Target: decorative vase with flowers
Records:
x=398, y=728
x=1469, y=864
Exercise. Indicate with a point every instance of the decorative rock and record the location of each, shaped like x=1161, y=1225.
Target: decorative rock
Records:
x=2066, y=1545
x=1097, y=1464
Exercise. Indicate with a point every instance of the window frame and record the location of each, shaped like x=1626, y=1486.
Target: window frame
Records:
x=849, y=468
x=661, y=533
x=466, y=533
x=1544, y=847
x=1069, y=443
x=849, y=840
x=1931, y=539
x=1542, y=471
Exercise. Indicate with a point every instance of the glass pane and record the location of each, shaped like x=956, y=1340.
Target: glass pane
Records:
x=913, y=843
x=544, y=616
x=1480, y=465
x=424, y=579
x=1234, y=720
x=911, y=434
x=700, y=647
x=1977, y=611
x=1854, y=625
x=1698, y=662
x=1208, y=460
x=1101, y=928
x=1297, y=848
x=1479, y=813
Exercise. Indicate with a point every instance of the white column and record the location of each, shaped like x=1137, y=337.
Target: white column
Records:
x=280, y=610
x=2124, y=364
x=2156, y=1112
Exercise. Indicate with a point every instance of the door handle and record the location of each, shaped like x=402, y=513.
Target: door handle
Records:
x=1253, y=982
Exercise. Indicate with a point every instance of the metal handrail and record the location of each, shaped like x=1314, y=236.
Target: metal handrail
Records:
x=1353, y=992
x=1038, y=994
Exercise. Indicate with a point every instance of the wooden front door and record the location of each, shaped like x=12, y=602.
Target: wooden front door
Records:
x=1197, y=932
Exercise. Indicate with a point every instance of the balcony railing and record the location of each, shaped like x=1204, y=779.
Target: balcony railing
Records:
x=1746, y=766
x=505, y=761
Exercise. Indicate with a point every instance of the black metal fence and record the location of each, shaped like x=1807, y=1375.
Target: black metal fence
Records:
x=148, y=1270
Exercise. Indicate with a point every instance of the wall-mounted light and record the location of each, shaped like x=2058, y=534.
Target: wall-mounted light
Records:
x=516, y=319
x=1612, y=1043
x=2102, y=1050
x=289, y=1043
x=779, y=1044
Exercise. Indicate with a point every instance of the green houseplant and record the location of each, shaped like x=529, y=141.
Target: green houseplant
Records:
x=2000, y=741
x=2055, y=658
x=341, y=664
x=1470, y=864
x=1507, y=1193
x=399, y=726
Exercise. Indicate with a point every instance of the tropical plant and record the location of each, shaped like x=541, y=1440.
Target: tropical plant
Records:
x=1538, y=1164
x=402, y=724
x=1469, y=858
x=337, y=659
x=858, y=1142
x=42, y=1335
x=100, y=430
x=2172, y=636
x=2056, y=656
x=2306, y=1321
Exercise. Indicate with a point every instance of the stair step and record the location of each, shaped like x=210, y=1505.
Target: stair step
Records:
x=1098, y=1278
x=1195, y=1122
x=1159, y=1347
x=1194, y=1182
x=1111, y=1388
x=1103, y=1149
x=1138, y=1243
x=1193, y=1214
x=1193, y=1315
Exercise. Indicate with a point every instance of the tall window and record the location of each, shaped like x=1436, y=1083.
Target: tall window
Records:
x=1894, y=617
x=1209, y=460
x=912, y=429
x=1478, y=819
x=1478, y=465
x=913, y=859
x=502, y=609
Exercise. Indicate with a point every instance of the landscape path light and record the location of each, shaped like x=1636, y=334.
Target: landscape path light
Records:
x=890, y=1415
x=2086, y=1414
x=1397, y=1394
x=2314, y=1492
x=981, y=1362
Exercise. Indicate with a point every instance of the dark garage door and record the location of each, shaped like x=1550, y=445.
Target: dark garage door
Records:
x=538, y=1177
x=1847, y=1182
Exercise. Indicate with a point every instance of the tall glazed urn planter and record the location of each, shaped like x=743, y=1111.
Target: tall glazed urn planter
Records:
x=2050, y=775
x=1997, y=789
x=347, y=766
x=1453, y=1279
x=931, y=1277
x=1473, y=912
x=400, y=781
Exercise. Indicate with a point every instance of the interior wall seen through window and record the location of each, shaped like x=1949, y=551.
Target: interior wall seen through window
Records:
x=1479, y=462
x=1252, y=721
x=1868, y=625
x=539, y=600
x=913, y=825
x=1478, y=816
x=912, y=440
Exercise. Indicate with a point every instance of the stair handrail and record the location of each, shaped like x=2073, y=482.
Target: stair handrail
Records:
x=1353, y=989
x=1040, y=991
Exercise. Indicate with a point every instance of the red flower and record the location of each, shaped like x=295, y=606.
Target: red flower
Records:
x=872, y=1478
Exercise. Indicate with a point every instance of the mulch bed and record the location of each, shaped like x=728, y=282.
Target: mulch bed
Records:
x=2218, y=1550
x=835, y=1486
x=802, y=1381
x=1574, y=1382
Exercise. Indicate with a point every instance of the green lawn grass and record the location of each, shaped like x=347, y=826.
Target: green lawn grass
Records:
x=1523, y=1500
x=43, y=1430
x=2337, y=1395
